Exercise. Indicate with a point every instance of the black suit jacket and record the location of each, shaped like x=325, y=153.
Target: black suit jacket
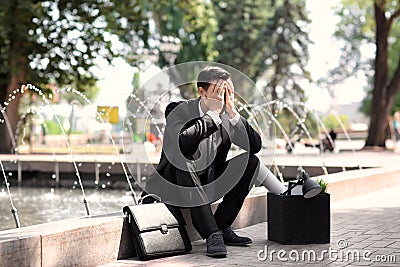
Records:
x=183, y=133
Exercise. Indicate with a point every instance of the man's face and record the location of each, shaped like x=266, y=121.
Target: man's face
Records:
x=216, y=90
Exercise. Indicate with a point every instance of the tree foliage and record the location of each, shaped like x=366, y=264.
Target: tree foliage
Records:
x=252, y=36
x=58, y=41
x=193, y=21
x=242, y=34
x=266, y=39
x=287, y=56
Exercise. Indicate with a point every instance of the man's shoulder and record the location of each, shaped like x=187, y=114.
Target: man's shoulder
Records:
x=184, y=104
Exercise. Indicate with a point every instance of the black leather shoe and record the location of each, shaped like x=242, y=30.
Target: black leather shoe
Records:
x=232, y=239
x=215, y=246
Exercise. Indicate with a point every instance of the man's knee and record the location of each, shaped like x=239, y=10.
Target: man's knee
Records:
x=251, y=159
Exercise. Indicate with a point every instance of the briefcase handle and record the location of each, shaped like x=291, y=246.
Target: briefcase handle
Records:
x=157, y=198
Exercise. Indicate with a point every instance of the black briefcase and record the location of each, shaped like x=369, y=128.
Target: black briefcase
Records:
x=155, y=231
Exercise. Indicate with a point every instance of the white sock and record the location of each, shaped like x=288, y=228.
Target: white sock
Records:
x=263, y=176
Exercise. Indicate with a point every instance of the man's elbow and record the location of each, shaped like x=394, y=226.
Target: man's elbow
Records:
x=255, y=149
x=256, y=146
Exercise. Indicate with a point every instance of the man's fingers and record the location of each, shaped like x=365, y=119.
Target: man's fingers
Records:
x=217, y=86
x=230, y=85
x=218, y=90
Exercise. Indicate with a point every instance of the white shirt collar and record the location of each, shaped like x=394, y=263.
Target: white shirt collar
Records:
x=200, y=109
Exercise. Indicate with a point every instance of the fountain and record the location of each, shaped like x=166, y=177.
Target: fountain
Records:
x=112, y=141
x=21, y=130
x=346, y=134
x=259, y=114
x=40, y=93
x=251, y=110
x=13, y=209
x=300, y=121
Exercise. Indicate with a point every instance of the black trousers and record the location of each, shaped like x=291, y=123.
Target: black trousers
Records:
x=204, y=221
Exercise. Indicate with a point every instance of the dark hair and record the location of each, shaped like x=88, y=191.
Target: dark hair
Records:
x=209, y=74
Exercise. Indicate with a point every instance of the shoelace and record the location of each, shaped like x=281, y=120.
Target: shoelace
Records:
x=215, y=238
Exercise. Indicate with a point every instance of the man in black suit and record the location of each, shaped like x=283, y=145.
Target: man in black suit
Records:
x=197, y=139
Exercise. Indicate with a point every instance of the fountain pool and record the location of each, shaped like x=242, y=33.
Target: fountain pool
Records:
x=42, y=205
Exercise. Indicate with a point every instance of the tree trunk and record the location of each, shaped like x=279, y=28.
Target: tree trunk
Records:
x=378, y=124
x=382, y=102
x=17, y=65
x=8, y=130
x=3, y=126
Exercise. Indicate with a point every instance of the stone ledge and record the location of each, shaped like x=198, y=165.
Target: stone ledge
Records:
x=352, y=183
x=90, y=241
x=80, y=242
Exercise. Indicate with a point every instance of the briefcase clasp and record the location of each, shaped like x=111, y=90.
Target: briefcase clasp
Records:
x=164, y=229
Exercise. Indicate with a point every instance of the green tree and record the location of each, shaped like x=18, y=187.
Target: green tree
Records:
x=266, y=40
x=194, y=23
x=251, y=36
x=58, y=42
x=287, y=56
x=372, y=22
x=241, y=38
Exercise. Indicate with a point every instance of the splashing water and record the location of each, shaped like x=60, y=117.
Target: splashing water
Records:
x=40, y=93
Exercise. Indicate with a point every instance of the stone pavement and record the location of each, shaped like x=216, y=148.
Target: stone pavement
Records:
x=365, y=231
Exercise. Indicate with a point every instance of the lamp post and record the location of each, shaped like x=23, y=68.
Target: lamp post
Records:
x=145, y=57
x=170, y=47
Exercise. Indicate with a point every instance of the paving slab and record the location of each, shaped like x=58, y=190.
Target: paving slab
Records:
x=361, y=235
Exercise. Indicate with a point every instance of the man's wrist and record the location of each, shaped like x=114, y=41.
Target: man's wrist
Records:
x=231, y=112
x=235, y=118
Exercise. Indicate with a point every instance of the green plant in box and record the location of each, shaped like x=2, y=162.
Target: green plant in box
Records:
x=323, y=185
